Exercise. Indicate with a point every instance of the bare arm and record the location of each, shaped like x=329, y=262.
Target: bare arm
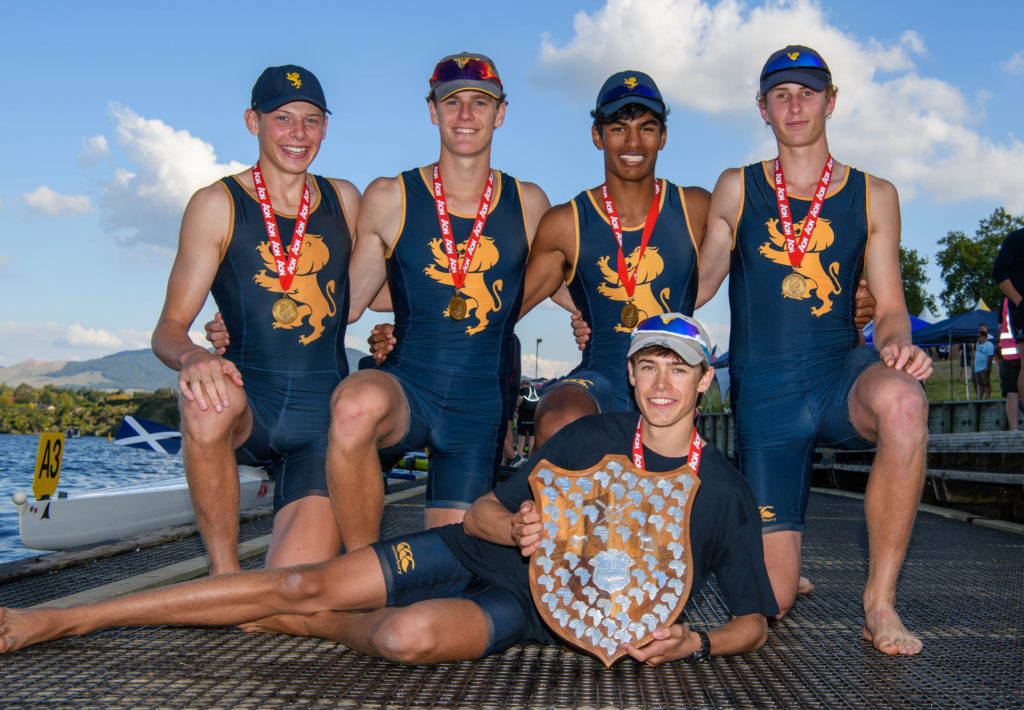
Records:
x=716, y=247
x=551, y=254
x=489, y=520
x=1015, y=296
x=882, y=267
x=376, y=230
x=201, y=244
x=739, y=635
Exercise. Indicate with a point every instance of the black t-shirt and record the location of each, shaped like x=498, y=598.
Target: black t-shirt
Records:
x=725, y=526
x=1009, y=263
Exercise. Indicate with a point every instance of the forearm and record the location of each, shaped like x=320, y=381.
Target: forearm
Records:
x=1008, y=289
x=489, y=520
x=172, y=346
x=891, y=328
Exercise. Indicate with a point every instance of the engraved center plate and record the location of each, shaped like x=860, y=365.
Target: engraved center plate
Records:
x=614, y=563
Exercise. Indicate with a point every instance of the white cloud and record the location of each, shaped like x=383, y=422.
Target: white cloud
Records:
x=1014, y=65
x=75, y=335
x=6, y=262
x=93, y=150
x=706, y=57
x=144, y=205
x=46, y=200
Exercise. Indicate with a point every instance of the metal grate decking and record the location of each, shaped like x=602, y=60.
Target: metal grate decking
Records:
x=962, y=590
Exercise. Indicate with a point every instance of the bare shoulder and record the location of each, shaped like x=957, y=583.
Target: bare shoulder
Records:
x=348, y=191
x=558, y=225
x=728, y=192
x=384, y=191
x=536, y=205
x=212, y=197
x=207, y=216
x=881, y=188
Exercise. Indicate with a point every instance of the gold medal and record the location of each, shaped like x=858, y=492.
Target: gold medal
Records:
x=630, y=315
x=457, y=307
x=794, y=286
x=285, y=310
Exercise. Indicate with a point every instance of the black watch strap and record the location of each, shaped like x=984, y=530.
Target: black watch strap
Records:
x=702, y=653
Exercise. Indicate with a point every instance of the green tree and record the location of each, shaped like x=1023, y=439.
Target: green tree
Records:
x=912, y=267
x=966, y=263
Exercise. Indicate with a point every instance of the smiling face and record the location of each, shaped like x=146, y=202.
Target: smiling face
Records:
x=631, y=145
x=797, y=113
x=666, y=388
x=467, y=120
x=289, y=136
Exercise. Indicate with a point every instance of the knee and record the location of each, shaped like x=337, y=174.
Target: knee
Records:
x=357, y=408
x=209, y=427
x=405, y=637
x=300, y=585
x=904, y=410
x=784, y=598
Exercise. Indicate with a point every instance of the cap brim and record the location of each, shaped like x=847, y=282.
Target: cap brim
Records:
x=612, y=106
x=278, y=101
x=691, y=353
x=445, y=89
x=816, y=79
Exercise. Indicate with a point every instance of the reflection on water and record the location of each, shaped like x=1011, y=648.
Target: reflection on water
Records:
x=89, y=463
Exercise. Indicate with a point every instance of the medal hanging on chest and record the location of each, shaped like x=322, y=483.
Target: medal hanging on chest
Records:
x=630, y=315
x=794, y=285
x=458, y=307
x=285, y=310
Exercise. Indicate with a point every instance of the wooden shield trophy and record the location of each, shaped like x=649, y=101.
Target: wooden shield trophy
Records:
x=615, y=561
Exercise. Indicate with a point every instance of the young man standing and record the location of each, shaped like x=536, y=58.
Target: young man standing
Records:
x=627, y=250
x=452, y=239
x=272, y=244
x=1009, y=367
x=984, y=351
x=460, y=592
x=797, y=231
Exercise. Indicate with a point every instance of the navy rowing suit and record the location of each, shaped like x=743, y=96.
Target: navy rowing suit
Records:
x=455, y=373
x=666, y=282
x=792, y=358
x=289, y=370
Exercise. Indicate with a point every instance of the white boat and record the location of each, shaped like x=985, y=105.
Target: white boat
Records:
x=88, y=517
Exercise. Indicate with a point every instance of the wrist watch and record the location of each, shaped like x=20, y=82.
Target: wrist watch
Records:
x=702, y=653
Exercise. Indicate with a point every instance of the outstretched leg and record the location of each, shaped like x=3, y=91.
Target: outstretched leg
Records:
x=352, y=581
x=889, y=407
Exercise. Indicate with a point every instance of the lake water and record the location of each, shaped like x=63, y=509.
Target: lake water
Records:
x=89, y=462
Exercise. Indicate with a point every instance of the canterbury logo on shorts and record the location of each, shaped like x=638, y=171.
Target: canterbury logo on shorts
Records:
x=767, y=513
x=404, y=561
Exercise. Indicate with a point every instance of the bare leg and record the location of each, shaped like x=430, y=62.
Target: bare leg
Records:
x=1012, y=414
x=368, y=411
x=208, y=451
x=430, y=631
x=304, y=532
x=352, y=581
x=558, y=407
x=889, y=407
x=782, y=559
x=436, y=517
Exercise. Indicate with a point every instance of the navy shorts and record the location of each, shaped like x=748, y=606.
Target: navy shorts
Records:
x=1009, y=371
x=780, y=422
x=291, y=414
x=463, y=433
x=420, y=566
x=610, y=396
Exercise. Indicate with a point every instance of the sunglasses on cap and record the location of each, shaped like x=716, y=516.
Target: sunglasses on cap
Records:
x=677, y=327
x=621, y=91
x=806, y=60
x=471, y=69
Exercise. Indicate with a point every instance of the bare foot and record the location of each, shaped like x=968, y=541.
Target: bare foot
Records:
x=884, y=629
x=24, y=627
x=804, y=586
x=294, y=624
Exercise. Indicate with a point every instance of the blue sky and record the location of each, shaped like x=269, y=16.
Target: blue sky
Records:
x=114, y=112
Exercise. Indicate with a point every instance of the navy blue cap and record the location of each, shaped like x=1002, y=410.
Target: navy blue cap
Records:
x=798, y=64
x=628, y=87
x=278, y=86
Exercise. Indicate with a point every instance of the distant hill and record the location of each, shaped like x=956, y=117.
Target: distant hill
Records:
x=128, y=370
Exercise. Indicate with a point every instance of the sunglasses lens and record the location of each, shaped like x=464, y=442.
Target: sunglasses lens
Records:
x=639, y=90
x=804, y=59
x=472, y=69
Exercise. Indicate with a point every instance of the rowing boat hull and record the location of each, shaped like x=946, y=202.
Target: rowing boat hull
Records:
x=90, y=517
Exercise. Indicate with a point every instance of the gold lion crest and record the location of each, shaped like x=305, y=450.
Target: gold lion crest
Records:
x=793, y=55
x=651, y=267
x=293, y=77
x=819, y=281
x=315, y=306
x=481, y=298
x=630, y=82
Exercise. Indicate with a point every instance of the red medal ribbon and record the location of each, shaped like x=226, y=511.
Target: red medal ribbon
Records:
x=693, y=459
x=797, y=249
x=629, y=280
x=459, y=270
x=285, y=267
